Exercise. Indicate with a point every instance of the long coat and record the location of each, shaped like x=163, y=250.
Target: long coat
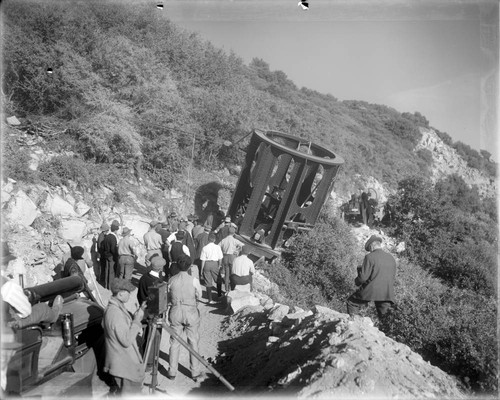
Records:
x=376, y=277
x=123, y=358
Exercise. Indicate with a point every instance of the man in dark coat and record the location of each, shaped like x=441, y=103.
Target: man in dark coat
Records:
x=110, y=245
x=375, y=280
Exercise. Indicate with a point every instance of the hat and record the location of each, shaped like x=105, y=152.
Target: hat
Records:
x=126, y=231
x=228, y=219
x=153, y=223
x=246, y=249
x=207, y=228
x=373, y=238
x=158, y=263
x=183, y=219
x=173, y=214
x=104, y=227
x=77, y=252
x=119, y=284
x=115, y=223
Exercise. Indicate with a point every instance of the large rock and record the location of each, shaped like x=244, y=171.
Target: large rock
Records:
x=21, y=210
x=81, y=208
x=58, y=207
x=72, y=230
x=278, y=312
x=237, y=300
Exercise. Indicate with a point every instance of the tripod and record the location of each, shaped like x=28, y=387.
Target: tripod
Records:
x=153, y=344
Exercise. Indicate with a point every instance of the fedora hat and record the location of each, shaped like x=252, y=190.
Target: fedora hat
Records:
x=126, y=231
x=373, y=238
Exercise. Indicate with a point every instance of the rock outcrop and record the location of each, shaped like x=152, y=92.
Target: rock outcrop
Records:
x=446, y=161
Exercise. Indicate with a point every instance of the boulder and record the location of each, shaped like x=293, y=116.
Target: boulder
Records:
x=327, y=312
x=72, y=230
x=295, y=318
x=237, y=300
x=278, y=312
x=81, y=208
x=13, y=121
x=58, y=207
x=21, y=210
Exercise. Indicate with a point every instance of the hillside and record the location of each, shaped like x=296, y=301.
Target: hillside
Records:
x=117, y=114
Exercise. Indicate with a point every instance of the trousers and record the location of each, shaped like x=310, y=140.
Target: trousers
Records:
x=126, y=266
x=227, y=265
x=184, y=318
x=354, y=305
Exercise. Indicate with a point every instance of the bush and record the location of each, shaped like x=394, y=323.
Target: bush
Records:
x=15, y=161
x=325, y=258
x=453, y=329
x=404, y=129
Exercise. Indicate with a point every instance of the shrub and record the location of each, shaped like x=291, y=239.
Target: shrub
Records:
x=325, y=258
x=15, y=161
x=404, y=129
x=454, y=329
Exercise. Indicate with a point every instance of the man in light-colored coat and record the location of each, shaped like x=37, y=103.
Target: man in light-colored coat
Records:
x=123, y=359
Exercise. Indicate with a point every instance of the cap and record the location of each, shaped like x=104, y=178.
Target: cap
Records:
x=126, y=231
x=119, y=284
x=158, y=263
x=373, y=238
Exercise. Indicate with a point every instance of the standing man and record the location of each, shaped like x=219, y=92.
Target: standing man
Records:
x=152, y=240
x=184, y=291
x=123, y=359
x=127, y=254
x=375, y=280
x=211, y=258
x=177, y=249
x=110, y=245
x=243, y=270
x=222, y=230
x=100, y=249
x=230, y=247
x=197, y=228
x=200, y=241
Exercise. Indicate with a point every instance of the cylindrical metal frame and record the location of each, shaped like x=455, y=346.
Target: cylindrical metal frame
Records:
x=286, y=179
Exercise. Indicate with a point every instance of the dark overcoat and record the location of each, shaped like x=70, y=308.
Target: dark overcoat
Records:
x=376, y=277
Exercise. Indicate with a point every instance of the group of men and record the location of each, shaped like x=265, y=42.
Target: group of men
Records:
x=178, y=251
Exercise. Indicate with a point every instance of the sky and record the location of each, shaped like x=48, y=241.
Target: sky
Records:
x=437, y=57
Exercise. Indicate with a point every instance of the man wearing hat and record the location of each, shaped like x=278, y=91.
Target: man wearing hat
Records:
x=123, y=358
x=127, y=254
x=211, y=259
x=230, y=248
x=222, y=230
x=110, y=245
x=104, y=229
x=197, y=227
x=184, y=291
x=201, y=241
x=375, y=280
x=152, y=240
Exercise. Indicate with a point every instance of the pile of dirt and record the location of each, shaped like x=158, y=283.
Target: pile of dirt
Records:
x=323, y=354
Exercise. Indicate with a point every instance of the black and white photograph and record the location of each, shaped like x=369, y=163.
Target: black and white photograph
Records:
x=249, y=198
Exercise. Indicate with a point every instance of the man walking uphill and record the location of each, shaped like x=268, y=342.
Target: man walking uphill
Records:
x=375, y=278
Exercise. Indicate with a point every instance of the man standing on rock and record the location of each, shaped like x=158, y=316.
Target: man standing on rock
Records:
x=110, y=244
x=375, y=280
x=184, y=291
x=127, y=254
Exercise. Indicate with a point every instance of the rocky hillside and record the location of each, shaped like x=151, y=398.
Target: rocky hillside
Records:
x=446, y=161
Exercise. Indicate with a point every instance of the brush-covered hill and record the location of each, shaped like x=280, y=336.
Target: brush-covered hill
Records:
x=113, y=83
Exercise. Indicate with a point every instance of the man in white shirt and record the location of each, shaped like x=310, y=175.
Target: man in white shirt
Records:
x=152, y=241
x=230, y=247
x=243, y=267
x=211, y=258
